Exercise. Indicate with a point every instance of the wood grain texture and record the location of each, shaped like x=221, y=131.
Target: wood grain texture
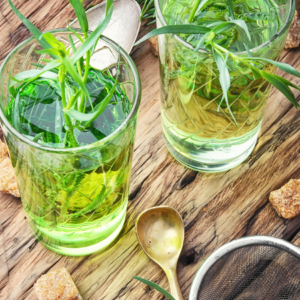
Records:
x=216, y=208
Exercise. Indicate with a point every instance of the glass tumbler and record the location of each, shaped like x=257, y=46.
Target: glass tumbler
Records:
x=75, y=199
x=200, y=131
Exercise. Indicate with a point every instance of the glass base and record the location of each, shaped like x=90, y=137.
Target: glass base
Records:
x=212, y=161
x=108, y=234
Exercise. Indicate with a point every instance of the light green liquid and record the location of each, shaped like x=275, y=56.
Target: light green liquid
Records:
x=199, y=131
x=83, y=218
x=75, y=202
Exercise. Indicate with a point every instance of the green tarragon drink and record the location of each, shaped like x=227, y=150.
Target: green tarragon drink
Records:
x=203, y=129
x=70, y=128
x=78, y=199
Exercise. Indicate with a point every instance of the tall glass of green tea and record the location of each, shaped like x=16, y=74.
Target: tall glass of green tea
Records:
x=75, y=198
x=200, y=130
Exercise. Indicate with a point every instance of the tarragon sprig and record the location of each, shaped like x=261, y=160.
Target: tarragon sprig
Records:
x=67, y=63
x=148, y=10
x=210, y=41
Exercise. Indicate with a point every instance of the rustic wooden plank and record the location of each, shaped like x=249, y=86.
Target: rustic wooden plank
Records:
x=4, y=270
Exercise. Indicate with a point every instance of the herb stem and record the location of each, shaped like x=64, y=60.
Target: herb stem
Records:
x=216, y=46
x=87, y=66
x=85, y=77
x=87, y=62
x=243, y=60
x=79, y=68
x=62, y=78
x=191, y=18
x=38, y=136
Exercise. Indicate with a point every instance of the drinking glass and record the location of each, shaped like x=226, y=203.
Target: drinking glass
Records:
x=75, y=199
x=200, y=131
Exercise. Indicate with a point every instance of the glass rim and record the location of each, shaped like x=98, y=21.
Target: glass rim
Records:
x=134, y=110
x=161, y=17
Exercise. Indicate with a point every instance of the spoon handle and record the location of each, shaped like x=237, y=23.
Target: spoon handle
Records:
x=174, y=285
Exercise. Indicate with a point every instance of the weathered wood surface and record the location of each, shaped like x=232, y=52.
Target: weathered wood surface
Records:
x=216, y=208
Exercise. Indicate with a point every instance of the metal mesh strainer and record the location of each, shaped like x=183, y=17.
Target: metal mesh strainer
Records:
x=258, y=267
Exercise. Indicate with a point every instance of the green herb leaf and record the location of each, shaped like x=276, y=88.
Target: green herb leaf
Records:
x=34, y=74
x=72, y=44
x=260, y=16
x=74, y=99
x=256, y=72
x=282, y=85
x=230, y=7
x=93, y=38
x=79, y=116
x=243, y=25
x=13, y=91
x=175, y=29
x=90, y=117
x=90, y=6
x=31, y=75
x=282, y=66
x=98, y=110
x=224, y=78
x=108, y=6
x=40, y=66
x=202, y=40
x=80, y=13
x=68, y=63
x=53, y=42
x=224, y=73
x=75, y=33
x=38, y=136
x=248, y=50
x=35, y=31
x=50, y=51
x=155, y=286
x=16, y=122
x=223, y=26
x=151, y=22
x=97, y=201
x=198, y=6
x=146, y=6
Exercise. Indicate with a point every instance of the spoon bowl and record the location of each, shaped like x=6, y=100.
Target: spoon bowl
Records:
x=160, y=231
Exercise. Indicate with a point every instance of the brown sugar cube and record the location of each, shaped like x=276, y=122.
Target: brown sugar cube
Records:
x=8, y=182
x=57, y=285
x=293, y=39
x=153, y=41
x=3, y=151
x=286, y=200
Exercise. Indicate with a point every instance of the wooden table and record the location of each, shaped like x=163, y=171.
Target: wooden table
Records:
x=216, y=208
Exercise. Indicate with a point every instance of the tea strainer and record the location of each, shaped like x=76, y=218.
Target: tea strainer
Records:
x=255, y=267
